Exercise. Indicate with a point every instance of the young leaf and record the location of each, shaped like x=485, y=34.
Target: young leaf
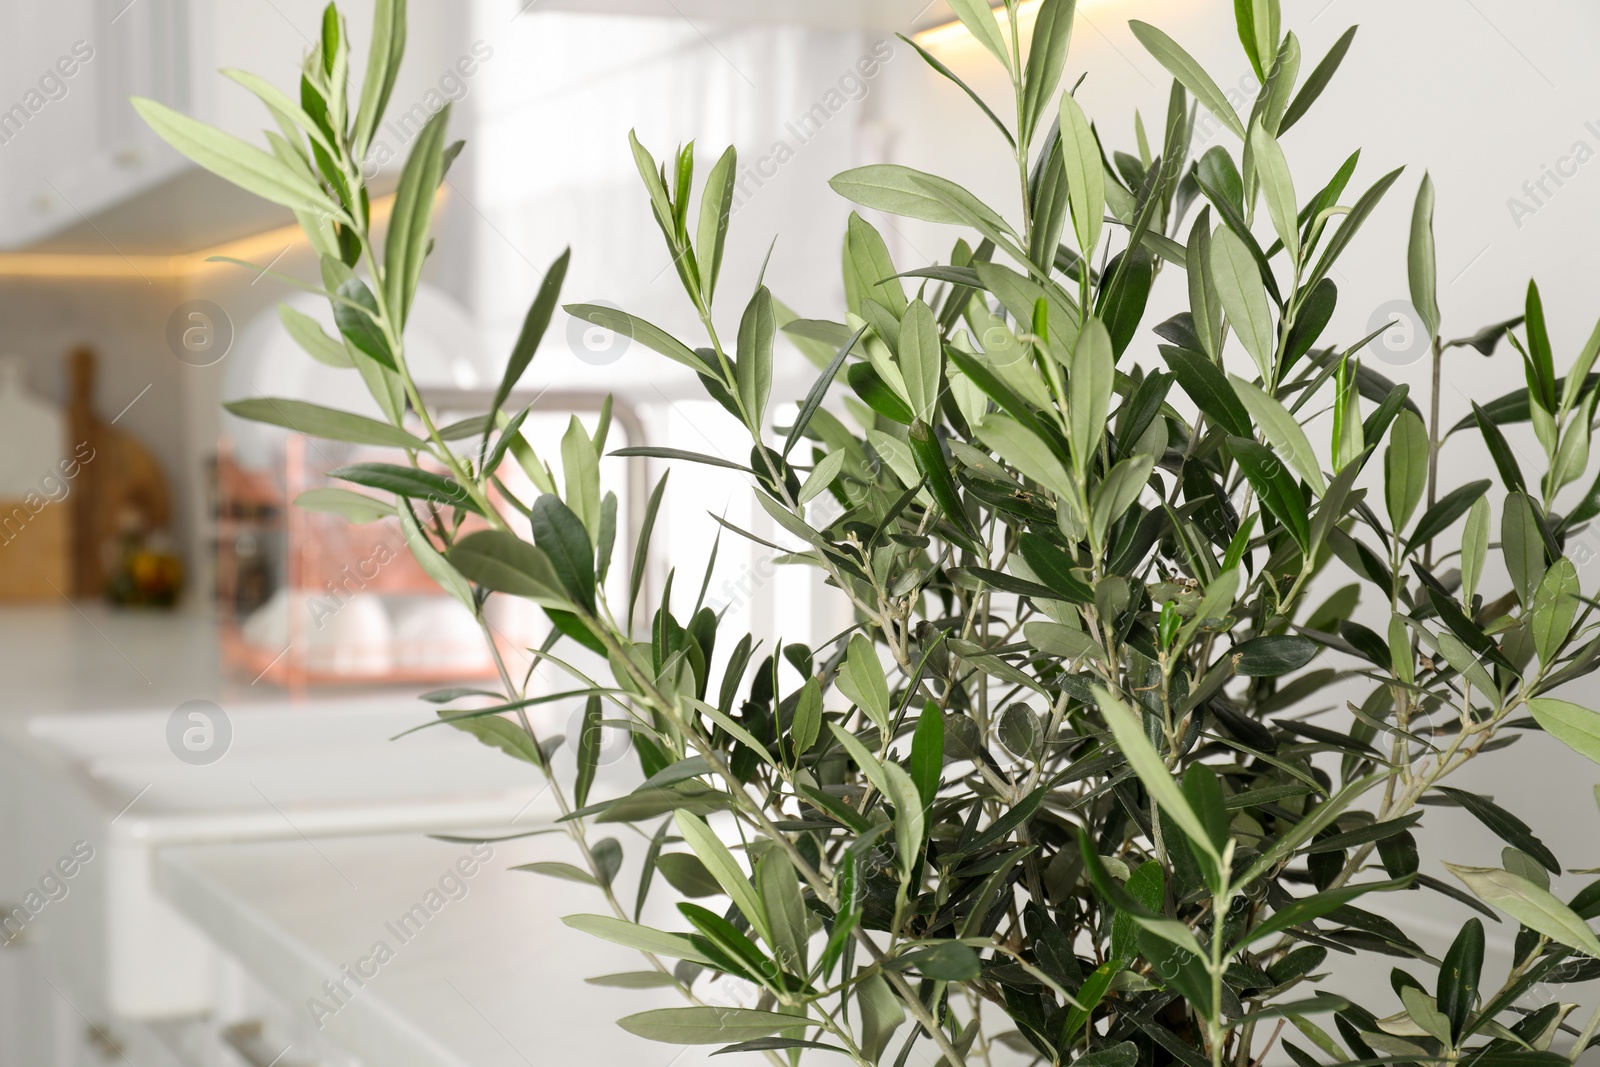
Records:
x=1405, y=468
x=308, y=334
x=1047, y=57
x=716, y=207
x=1421, y=263
x=862, y=681
x=807, y=723
x=758, y=331
x=927, y=753
x=1474, y=547
x=1086, y=183
x=979, y=19
x=1284, y=433
x=1317, y=81
x=432, y=563
x=921, y=359
x=235, y=161
x=708, y=1025
x=1089, y=392
x=406, y=245
x=313, y=420
x=1278, y=185
x=723, y=867
x=1522, y=543
x=1244, y=298
x=1555, y=605
x=589, y=737
x=785, y=910
x=1191, y=75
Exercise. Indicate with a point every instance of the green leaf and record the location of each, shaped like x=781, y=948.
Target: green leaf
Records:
x=1191, y=75
x=1405, y=468
x=406, y=245
x=432, y=563
x=589, y=738
x=641, y=551
x=895, y=784
x=1278, y=185
x=1317, y=81
x=1025, y=452
x=1308, y=908
x=642, y=938
x=356, y=315
x=897, y=190
x=921, y=359
x=1047, y=58
x=353, y=507
x=652, y=337
x=534, y=325
x=383, y=66
x=819, y=390
x=950, y=961
x=1457, y=991
x=1540, y=355
x=1555, y=605
x=708, y=1025
x=1089, y=390
x=308, y=334
x=723, y=867
x=1277, y=488
x=927, y=753
x=779, y=886
x=685, y=873
x=1522, y=543
x=1244, y=298
x=1283, y=432
x=716, y=208
x=1364, y=206
x=1128, y=729
x=1208, y=387
x=824, y=474
x=235, y=161
x=1530, y=905
x=862, y=680
x=508, y=737
x=807, y=723
x=564, y=871
x=1421, y=262
x=1437, y=519
x=313, y=420
x=1269, y=657
x=1506, y=826
x=979, y=19
x=1086, y=181
x=873, y=265
x=634, y=980
x=1117, y=492
x=1474, y=546
x=1572, y=724
x=436, y=489
x=560, y=535
x=758, y=330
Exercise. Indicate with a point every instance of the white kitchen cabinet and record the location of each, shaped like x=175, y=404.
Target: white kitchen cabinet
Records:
x=70, y=145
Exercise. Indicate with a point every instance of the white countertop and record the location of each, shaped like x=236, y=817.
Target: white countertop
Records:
x=493, y=979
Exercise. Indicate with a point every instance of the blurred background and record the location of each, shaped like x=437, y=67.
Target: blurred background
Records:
x=158, y=598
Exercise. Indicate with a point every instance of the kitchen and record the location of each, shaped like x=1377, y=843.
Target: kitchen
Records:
x=223, y=843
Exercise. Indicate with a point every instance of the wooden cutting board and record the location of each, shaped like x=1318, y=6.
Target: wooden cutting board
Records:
x=35, y=518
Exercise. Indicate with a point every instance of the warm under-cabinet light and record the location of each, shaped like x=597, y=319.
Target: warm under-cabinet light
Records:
x=953, y=31
x=256, y=248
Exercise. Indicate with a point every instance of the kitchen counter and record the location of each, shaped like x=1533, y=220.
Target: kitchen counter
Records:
x=491, y=979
